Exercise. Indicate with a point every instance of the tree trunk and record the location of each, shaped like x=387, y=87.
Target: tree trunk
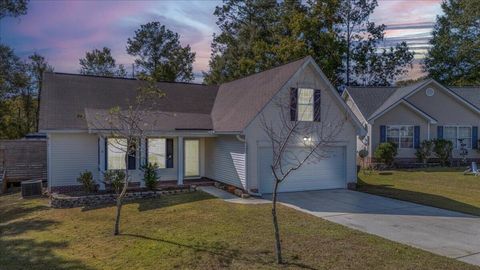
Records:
x=117, y=217
x=278, y=244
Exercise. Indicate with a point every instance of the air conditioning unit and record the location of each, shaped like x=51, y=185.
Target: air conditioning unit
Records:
x=31, y=188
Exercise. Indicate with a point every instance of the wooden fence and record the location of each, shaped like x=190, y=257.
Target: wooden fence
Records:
x=23, y=160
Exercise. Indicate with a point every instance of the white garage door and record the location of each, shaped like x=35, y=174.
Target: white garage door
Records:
x=328, y=173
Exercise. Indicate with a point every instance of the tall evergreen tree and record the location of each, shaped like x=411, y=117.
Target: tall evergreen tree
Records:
x=454, y=58
x=37, y=67
x=13, y=8
x=101, y=63
x=160, y=55
x=259, y=34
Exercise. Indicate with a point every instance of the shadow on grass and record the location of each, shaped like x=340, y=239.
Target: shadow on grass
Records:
x=25, y=253
x=225, y=254
x=160, y=202
x=418, y=197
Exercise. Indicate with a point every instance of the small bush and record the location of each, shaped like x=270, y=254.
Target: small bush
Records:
x=424, y=152
x=443, y=150
x=114, y=178
x=386, y=153
x=86, y=179
x=150, y=175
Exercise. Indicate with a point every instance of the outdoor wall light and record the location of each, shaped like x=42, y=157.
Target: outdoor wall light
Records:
x=307, y=139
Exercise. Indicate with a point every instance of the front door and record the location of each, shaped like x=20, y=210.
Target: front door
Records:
x=192, y=158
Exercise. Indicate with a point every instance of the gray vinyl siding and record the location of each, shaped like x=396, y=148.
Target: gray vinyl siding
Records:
x=69, y=155
x=225, y=160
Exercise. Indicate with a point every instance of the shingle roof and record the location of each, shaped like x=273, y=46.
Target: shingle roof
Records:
x=239, y=101
x=65, y=97
x=368, y=100
x=470, y=93
x=73, y=102
x=373, y=100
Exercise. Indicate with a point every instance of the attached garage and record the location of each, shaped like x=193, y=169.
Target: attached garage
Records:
x=328, y=173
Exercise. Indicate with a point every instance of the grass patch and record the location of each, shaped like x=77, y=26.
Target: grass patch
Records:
x=446, y=188
x=190, y=231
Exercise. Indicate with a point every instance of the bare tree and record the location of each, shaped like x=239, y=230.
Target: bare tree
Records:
x=314, y=130
x=127, y=127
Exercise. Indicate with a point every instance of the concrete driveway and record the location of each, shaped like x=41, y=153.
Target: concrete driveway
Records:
x=443, y=232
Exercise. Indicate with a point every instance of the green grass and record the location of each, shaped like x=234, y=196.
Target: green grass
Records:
x=190, y=231
x=440, y=187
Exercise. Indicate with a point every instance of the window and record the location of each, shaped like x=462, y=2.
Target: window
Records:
x=116, y=149
x=305, y=107
x=456, y=133
x=157, y=152
x=402, y=136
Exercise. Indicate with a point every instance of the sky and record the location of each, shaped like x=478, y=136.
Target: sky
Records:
x=63, y=31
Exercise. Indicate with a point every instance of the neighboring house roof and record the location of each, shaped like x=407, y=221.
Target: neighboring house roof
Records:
x=374, y=101
x=66, y=97
x=239, y=101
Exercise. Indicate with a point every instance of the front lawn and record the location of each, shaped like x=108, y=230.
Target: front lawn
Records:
x=190, y=231
x=440, y=187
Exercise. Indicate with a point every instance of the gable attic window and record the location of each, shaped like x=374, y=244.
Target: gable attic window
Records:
x=305, y=105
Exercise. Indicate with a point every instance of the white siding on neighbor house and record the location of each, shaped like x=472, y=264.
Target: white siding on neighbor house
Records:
x=225, y=160
x=69, y=155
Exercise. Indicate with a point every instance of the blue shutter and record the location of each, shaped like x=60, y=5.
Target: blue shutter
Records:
x=316, y=105
x=293, y=104
x=169, y=153
x=475, y=137
x=146, y=152
x=416, y=136
x=132, y=164
x=106, y=154
x=383, y=134
x=439, y=132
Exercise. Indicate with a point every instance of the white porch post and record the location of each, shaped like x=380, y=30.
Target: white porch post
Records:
x=101, y=161
x=180, y=160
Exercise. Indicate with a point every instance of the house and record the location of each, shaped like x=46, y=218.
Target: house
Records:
x=421, y=111
x=201, y=131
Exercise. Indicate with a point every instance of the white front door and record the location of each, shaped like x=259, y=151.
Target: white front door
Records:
x=192, y=157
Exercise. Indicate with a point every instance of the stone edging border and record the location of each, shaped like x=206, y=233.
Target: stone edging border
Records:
x=65, y=201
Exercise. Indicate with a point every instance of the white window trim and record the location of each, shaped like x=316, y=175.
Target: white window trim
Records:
x=311, y=103
x=456, y=146
x=399, y=145
x=148, y=149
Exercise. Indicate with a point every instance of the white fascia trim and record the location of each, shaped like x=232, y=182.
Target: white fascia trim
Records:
x=360, y=128
x=63, y=131
x=409, y=105
x=355, y=104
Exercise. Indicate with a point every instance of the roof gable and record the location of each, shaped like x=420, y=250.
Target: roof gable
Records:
x=239, y=101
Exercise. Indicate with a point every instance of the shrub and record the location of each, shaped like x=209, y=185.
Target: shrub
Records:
x=150, y=175
x=86, y=179
x=386, y=153
x=443, y=150
x=114, y=178
x=424, y=152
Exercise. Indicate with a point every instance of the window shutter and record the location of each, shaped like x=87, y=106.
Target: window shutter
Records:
x=132, y=164
x=106, y=154
x=169, y=152
x=439, y=132
x=475, y=137
x=416, y=137
x=146, y=152
x=293, y=104
x=383, y=134
x=316, y=105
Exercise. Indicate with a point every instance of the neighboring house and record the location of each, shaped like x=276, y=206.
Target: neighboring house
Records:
x=421, y=111
x=202, y=131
